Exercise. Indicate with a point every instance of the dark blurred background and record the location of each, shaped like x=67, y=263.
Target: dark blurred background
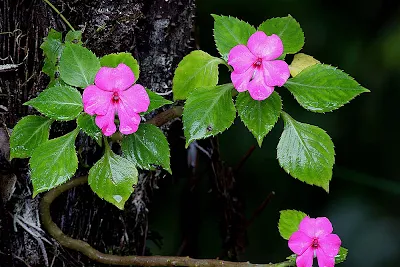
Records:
x=363, y=39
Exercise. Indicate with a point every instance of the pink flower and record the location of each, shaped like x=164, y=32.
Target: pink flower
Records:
x=255, y=67
x=315, y=238
x=113, y=93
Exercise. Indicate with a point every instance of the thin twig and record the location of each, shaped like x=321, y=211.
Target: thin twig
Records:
x=59, y=13
x=98, y=256
x=244, y=158
x=260, y=209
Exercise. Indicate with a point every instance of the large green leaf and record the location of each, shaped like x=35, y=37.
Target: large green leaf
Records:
x=208, y=111
x=289, y=221
x=197, y=69
x=113, y=60
x=112, y=178
x=322, y=88
x=288, y=29
x=54, y=162
x=147, y=147
x=259, y=116
x=30, y=132
x=230, y=32
x=306, y=152
x=87, y=125
x=78, y=65
x=62, y=103
x=342, y=255
x=52, y=48
x=156, y=101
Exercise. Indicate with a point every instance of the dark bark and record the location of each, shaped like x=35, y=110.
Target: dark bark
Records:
x=158, y=33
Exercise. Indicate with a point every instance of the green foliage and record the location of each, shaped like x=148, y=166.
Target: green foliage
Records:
x=288, y=29
x=147, y=147
x=289, y=221
x=78, y=65
x=62, y=103
x=322, y=88
x=156, y=101
x=74, y=37
x=230, y=32
x=208, y=111
x=306, y=152
x=88, y=126
x=113, y=60
x=52, y=48
x=30, y=132
x=342, y=255
x=54, y=162
x=198, y=69
x=112, y=178
x=259, y=116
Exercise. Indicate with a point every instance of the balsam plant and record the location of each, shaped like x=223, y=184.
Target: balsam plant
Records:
x=92, y=91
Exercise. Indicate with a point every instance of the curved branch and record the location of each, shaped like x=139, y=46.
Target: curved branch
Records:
x=98, y=256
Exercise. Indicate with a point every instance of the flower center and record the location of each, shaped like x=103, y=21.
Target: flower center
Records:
x=115, y=97
x=258, y=62
x=315, y=243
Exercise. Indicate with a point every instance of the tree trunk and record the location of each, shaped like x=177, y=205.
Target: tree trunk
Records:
x=158, y=34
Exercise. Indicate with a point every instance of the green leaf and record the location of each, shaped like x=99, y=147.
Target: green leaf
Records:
x=30, y=132
x=62, y=103
x=112, y=178
x=259, y=116
x=198, y=69
x=288, y=29
x=88, y=126
x=113, y=60
x=147, y=147
x=306, y=152
x=230, y=32
x=74, y=37
x=54, y=162
x=322, y=88
x=156, y=101
x=342, y=255
x=208, y=111
x=289, y=221
x=52, y=48
x=78, y=65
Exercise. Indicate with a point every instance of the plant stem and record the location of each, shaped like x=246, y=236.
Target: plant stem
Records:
x=98, y=256
x=166, y=116
x=59, y=13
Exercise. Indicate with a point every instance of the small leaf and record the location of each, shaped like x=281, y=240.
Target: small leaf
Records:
x=259, y=116
x=156, y=101
x=341, y=256
x=113, y=60
x=289, y=221
x=208, y=111
x=300, y=62
x=88, y=126
x=198, y=69
x=322, y=88
x=288, y=29
x=112, y=178
x=30, y=132
x=62, y=103
x=147, y=147
x=54, y=162
x=306, y=152
x=78, y=65
x=74, y=37
x=230, y=32
x=52, y=48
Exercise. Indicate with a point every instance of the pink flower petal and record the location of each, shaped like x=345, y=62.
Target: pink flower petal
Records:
x=265, y=47
x=299, y=242
x=305, y=259
x=106, y=122
x=114, y=79
x=95, y=100
x=128, y=120
x=258, y=89
x=324, y=260
x=323, y=227
x=136, y=98
x=330, y=244
x=276, y=72
x=241, y=59
x=241, y=80
x=307, y=225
